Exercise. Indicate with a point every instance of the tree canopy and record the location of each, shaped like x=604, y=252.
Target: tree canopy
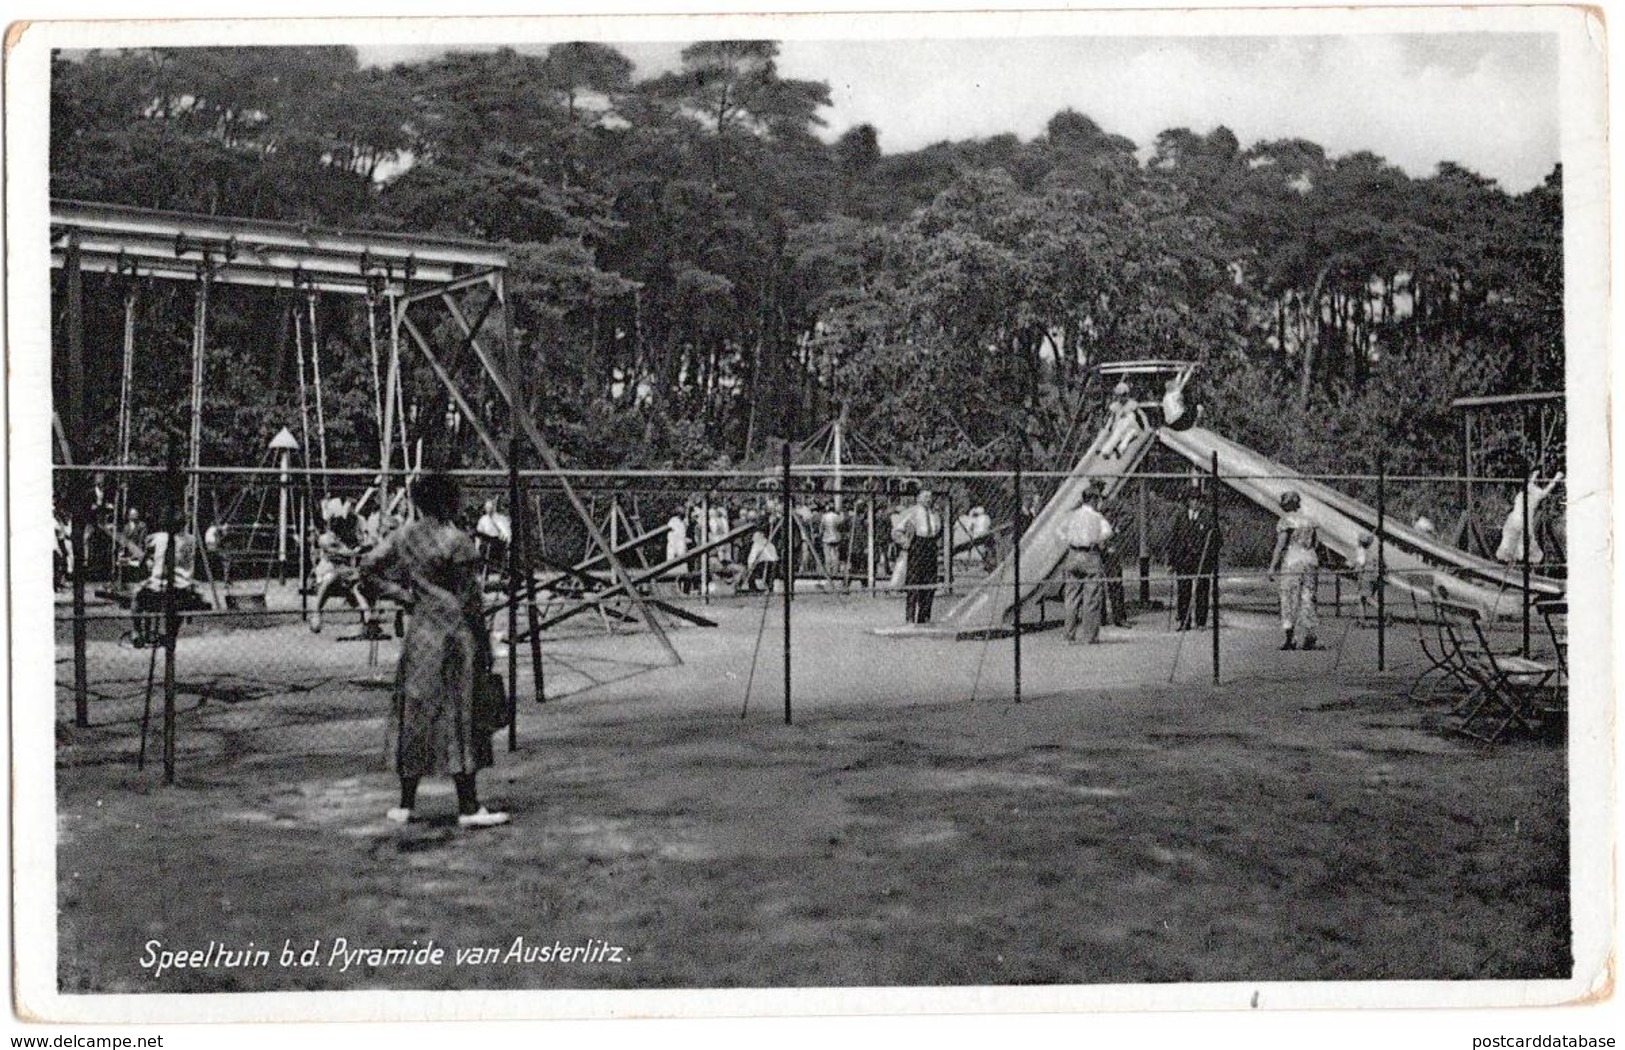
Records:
x=696, y=270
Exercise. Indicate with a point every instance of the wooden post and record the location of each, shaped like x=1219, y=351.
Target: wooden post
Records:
x=1382, y=545
x=787, y=559
x=1213, y=579
x=78, y=485
x=1015, y=558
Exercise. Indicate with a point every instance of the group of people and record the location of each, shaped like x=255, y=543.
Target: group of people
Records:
x=1129, y=421
x=1091, y=570
x=1295, y=562
x=344, y=539
x=733, y=565
x=825, y=533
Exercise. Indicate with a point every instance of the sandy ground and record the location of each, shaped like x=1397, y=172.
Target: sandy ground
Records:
x=1127, y=822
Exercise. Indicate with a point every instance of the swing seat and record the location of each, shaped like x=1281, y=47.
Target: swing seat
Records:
x=245, y=601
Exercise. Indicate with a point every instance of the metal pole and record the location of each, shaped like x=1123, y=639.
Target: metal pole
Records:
x=948, y=522
x=126, y=383
x=316, y=379
x=172, y=484
x=1213, y=577
x=705, y=559
x=871, y=540
x=377, y=379
x=787, y=566
x=391, y=383
x=1145, y=546
x=1382, y=562
x=1015, y=557
x=532, y=615
x=78, y=485
x=515, y=535
x=1467, y=476
x=1528, y=540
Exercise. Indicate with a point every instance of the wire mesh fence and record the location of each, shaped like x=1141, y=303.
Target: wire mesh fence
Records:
x=695, y=591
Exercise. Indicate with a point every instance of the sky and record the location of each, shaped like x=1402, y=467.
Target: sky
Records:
x=1486, y=101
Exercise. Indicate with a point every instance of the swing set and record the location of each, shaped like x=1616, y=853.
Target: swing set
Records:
x=426, y=287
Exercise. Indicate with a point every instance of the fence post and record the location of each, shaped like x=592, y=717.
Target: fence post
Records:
x=172, y=517
x=705, y=539
x=79, y=502
x=948, y=547
x=1145, y=546
x=871, y=539
x=1015, y=565
x=516, y=535
x=1382, y=564
x=1213, y=581
x=787, y=562
x=1528, y=541
x=532, y=516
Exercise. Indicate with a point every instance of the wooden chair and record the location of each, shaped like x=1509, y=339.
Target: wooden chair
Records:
x=1508, y=686
x=1553, y=611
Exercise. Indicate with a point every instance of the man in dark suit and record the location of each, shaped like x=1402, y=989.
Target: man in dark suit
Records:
x=1193, y=549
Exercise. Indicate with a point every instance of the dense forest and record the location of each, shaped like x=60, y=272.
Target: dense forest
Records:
x=697, y=272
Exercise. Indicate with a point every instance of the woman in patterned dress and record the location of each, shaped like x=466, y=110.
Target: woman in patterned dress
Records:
x=431, y=725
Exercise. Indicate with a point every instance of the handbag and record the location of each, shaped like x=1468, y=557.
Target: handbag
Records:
x=490, y=702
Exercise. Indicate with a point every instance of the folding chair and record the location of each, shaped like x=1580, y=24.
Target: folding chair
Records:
x=1552, y=611
x=1507, y=685
x=1444, y=657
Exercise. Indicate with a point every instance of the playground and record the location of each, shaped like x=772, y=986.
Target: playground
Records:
x=731, y=759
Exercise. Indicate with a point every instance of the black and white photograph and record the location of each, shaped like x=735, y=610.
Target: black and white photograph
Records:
x=842, y=514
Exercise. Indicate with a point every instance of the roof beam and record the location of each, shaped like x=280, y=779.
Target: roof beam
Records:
x=266, y=254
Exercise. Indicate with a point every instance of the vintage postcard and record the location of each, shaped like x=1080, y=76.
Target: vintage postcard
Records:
x=819, y=514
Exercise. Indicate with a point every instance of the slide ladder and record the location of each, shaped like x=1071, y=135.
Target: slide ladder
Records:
x=1110, y=459
x=1415, y=562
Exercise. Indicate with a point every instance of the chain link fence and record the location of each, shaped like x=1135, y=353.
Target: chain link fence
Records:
x=257, y=639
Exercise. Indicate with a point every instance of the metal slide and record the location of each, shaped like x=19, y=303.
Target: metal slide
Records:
x=1415, y=561
x=988, y=604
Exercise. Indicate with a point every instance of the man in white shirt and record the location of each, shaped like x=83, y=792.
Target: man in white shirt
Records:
x=830, y=524
x=921, y=527
x=1084, y=531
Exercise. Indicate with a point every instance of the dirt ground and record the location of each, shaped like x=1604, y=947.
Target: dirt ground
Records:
x=1127, y=822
